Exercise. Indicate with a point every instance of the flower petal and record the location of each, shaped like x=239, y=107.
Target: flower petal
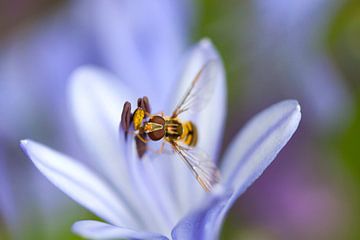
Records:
x=189, y=191
x=256, y=146
x=100, y=230
x=96, y=98
x=79, y=183
x=252, y=151
x=153, y=190
x=202, y=224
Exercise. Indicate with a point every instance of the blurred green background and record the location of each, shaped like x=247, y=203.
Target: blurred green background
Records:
x=312, y=190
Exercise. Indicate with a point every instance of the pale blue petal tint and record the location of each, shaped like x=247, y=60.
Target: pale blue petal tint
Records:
x=157, y=192
x=80, y=183
x=252, y=150
x=148, y=176
x=96, y=98
x=257, y=144
x=209, y=120
x=255, y=147
x=199, y=225
x=99, y=230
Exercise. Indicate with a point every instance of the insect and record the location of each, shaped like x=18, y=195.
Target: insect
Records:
x=181, y=135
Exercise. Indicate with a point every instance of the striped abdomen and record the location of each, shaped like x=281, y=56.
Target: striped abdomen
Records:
x=189, y=135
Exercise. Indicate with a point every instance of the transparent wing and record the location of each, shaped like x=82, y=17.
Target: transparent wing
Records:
x=200, y=90
x=204, y=170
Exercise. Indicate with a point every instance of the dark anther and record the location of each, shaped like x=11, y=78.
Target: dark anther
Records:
x=146, y=104
x=140, y=103
x=140, y=145
x=126, y=118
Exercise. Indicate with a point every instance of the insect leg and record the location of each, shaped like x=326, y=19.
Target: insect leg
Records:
x=141, y=138
x=161, y=150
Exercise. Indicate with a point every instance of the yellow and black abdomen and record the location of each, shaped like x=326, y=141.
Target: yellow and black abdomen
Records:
x=190, y=134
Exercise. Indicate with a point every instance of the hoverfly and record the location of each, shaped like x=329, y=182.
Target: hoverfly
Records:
x=181, y=135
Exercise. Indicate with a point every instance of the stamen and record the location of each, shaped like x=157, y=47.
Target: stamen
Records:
x=126, y=118
x=141, y=147
x=140, y=103
x=146, y=104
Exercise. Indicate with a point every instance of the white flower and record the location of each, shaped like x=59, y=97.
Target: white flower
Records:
x=157, y=197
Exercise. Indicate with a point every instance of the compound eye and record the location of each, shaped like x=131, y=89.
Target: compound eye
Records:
x=158, y=120
x=157, y=135
x=146, y=104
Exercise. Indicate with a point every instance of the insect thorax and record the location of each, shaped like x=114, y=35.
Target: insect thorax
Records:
x=173, y=129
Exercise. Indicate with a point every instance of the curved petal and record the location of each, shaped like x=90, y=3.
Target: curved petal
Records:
x=210, y=120
x=253, y=149
x=201, y=224
x=159, y=208
x=256, y=146
x=79, y=183
x=100, y=230
x=96, y=99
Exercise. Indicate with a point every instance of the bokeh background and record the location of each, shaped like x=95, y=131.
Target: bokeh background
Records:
x=272, y=50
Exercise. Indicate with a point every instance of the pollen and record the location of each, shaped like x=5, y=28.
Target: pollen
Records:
x=138, y=118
